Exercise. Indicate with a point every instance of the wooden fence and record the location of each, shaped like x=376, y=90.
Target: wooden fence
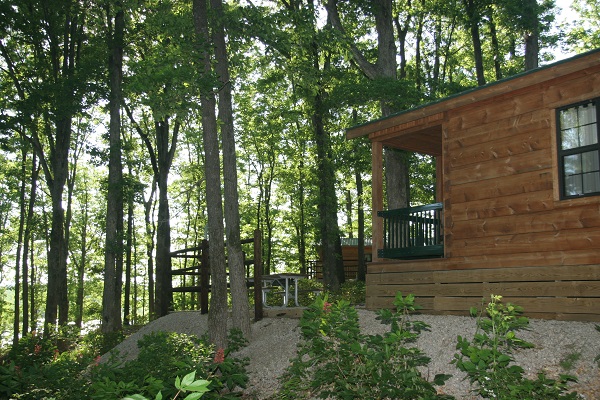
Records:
x=201, y=271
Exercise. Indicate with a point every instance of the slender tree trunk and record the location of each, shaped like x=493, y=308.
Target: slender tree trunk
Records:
x=474, y=19
x=82, y=264
x=26, y=242
x=113, y=254
x=17, y=293
x=237, y=270
x=128, y=260
x=532, y=47
x=495, y=46
x=166, y=151
x=217, y=314
x=57, y=304
x=362, y=267
x=150, y=230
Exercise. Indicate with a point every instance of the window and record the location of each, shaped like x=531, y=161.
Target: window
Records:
x=579, y=149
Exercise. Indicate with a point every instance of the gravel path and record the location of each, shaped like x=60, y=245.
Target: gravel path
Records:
x=274, y=342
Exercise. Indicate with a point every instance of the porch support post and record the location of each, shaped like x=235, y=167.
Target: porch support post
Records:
x=377, y=196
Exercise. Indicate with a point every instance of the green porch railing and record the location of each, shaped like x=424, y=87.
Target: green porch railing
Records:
x=413, y=232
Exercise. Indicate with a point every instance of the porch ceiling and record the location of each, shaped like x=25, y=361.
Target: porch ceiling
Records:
x=426, y=140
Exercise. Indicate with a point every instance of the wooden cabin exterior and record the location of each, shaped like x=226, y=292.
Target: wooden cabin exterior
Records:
x=518, y=178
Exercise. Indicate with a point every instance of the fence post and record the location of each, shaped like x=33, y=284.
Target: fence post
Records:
x=204, y=278
x=258, y=304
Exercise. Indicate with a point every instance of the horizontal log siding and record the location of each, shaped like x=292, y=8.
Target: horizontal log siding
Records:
x=569, y=292
x=506, y=231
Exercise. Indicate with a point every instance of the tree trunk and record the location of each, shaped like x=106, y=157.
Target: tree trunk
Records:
x=128, y=259
x=150, y=231
x=82, y=264
x=237, y=270
x=385, y=67
x=26, y=241
x=362, y=267
x=331, y=247
x=57, y=304
x=17, y=292
x=473, y=20
x=217, y=314
x=164, y=286
x=113, y=254
x=532, y=47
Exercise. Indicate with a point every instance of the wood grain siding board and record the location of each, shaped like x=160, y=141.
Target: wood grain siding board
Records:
x=572, y=89
x=539, y=161
x=579, y=289
x=534, y=120
x=579, y=239
x=550, y=259
x=530, y=304
x=522, y=274
x=413, y=277
x=504, y=147
x=523, y=220
x=515, y=204
x=461, y=120
x=428, y=308
x=527, y=182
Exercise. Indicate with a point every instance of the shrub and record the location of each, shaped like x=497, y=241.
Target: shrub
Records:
x=488, y=362
x=336, y=361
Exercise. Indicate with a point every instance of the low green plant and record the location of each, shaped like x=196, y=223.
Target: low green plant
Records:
x=336, y=361
x=352, y=291
x=569, y=361
x=488, y=361
x=188, y=384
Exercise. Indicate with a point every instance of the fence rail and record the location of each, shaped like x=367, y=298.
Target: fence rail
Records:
x=413, y=232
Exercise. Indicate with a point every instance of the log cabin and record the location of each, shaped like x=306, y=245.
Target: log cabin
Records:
x=517, y=191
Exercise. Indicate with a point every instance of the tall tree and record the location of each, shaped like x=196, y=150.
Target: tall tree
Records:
x=217, y=313
x=113, y=259
x=237, y=270
x=161, y=85
x=383, y=69
x=51, y=40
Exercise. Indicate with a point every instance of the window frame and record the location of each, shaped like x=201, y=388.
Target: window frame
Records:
x=561, y=154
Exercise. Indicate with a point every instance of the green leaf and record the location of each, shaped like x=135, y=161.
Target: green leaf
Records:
x=135, y=397
x=440, y=379
x=187, y=380
x=201, y=385
x=193, y=396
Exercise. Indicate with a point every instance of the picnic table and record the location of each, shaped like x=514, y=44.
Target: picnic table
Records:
x=284, y=280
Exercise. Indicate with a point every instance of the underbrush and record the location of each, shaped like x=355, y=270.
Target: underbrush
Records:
x=166, y=367
x=336, y=361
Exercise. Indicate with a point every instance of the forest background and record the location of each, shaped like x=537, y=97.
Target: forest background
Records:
x=106, y=111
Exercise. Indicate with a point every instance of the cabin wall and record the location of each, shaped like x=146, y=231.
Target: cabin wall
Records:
x=506, y=230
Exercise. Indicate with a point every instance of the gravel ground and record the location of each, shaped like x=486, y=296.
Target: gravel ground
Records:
x=274, y=342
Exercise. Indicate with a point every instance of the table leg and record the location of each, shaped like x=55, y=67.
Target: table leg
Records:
x=296, y=292
x=287, y=292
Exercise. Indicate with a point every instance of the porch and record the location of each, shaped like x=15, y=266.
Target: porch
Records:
x=413, y=232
